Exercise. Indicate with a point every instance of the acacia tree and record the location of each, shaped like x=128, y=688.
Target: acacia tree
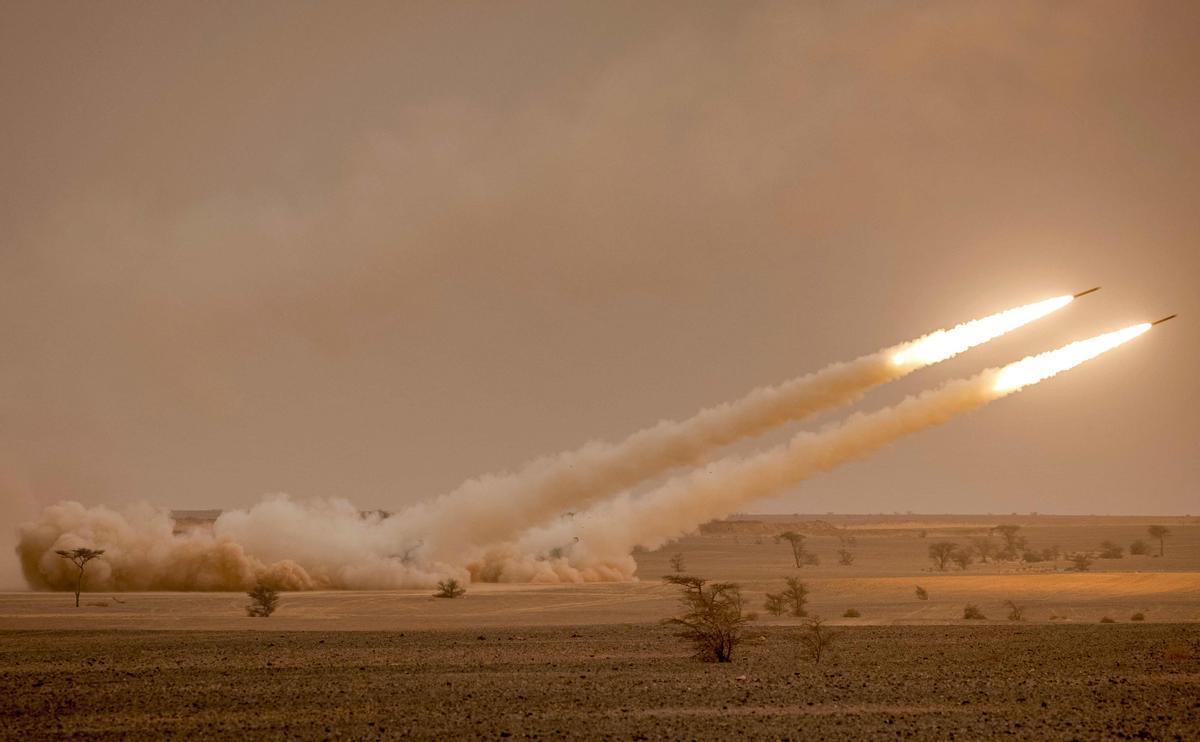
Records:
x=984, y=547
x=712, y=620
x=79, y=557
x=1160, y=533
x=796, y=541
x=941, y=552
x=1013, y=541
x=450, y=589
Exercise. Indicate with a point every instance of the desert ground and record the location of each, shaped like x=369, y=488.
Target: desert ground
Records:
x=594, y=661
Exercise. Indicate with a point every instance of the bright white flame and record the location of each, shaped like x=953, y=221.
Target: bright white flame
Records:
x=943, y=344
x=1033, y=369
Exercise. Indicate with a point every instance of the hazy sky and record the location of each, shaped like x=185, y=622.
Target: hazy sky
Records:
x=369, y=250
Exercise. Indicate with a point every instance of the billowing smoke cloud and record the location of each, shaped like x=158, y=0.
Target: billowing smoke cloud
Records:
x=496, y=507
x=297, y=546
x=599, y=541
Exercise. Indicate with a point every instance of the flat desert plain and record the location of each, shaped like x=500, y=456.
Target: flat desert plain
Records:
x=594, y=661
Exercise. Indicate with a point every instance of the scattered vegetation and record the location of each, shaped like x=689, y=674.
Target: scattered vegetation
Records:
x=851, y=613
x=264, y=599
x=1139, y=548
x=940, y=553
x=845, y=557
x=1178, y=652
x=921, y=594
x=677, y=563
x=712, y=620
x=1160, y=533
x=1111, y=550
x=816, y=638
x=972, y=612
x=774, y=604
x=984, y=548
x=962, y=558
x=1012, y=540
x=795, y=596
x=1015, y=612
x=1139, y=616
x=80, y=558
x=1080, y=562
x=450, y=589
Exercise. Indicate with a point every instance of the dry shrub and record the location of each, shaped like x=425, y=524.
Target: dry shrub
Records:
x=263, y=601
x=450, y=589
x=816, y=639
x=712, y=620
x=1139, y=616
x=921, y=594
x=1015, y=612
x=851, y=613
x=1107, y=619
x=971, y=611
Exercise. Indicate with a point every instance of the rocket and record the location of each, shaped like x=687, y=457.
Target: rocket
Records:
x=1085, y=293
x=1164, y=319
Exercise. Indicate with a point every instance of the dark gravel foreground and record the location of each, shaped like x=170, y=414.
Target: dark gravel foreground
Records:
x=622, y=682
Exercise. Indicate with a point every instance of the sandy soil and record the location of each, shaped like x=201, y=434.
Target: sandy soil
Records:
x=632, y=682
x=593, y=661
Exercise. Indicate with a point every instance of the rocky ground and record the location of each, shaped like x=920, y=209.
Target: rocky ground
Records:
x=620, y=681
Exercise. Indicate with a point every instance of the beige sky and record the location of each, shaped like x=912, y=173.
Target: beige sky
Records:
x=369, y=250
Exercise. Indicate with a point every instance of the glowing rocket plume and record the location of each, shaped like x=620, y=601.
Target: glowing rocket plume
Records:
x=494, y=508
x=608, y=532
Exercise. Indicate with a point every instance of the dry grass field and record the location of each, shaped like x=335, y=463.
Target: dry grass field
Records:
x=592, y=660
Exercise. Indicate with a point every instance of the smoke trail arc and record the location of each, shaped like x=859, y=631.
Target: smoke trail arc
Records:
x=608, y=532
x=494, y=508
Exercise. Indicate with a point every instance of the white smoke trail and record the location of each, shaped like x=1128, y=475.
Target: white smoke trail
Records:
x=493, y=508
x=606, y=534
x=330, y=544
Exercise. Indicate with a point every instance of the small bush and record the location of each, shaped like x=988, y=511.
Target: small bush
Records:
x=816, y=639
x=775, y=604
x=921, y=594
x=1106, y=619
x=1081, y=562
x=1138, y=617
x=1032, y=557
x=450, y=589
x=1015, y=612
x=972, y=612
x=845, y=557
x=677, y=565
x=263, y=601
x=1139, y=548
x=851, y=613
x=1110, y=550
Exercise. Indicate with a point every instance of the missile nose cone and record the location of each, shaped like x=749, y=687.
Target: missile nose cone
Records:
x=1164, y=319
x=1085, y=293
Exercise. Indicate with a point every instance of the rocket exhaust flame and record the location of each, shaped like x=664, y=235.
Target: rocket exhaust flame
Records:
x=945, y=344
